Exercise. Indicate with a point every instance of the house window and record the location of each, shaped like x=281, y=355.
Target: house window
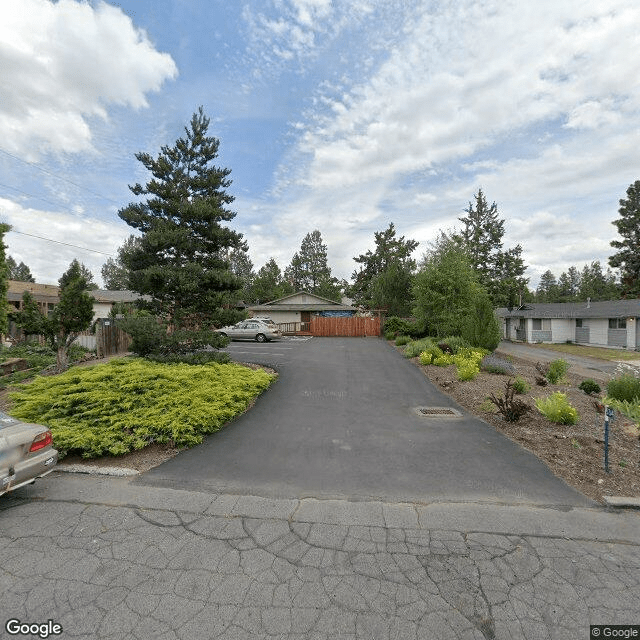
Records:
x=541, y=324
x=579, y=323
x=617, y=323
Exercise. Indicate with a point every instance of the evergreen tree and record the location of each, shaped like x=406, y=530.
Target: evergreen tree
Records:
x=242, y=267
x=4, y=278
x=115, y=274
x=269, y=284
x=19, y=272
x=627, y=259
x=547, y=290
x=500, y=272
x=310, y=271
x=444, y=289
x=180, y=259
x=481, y=327
x=597, y=285
x=75, y=271
x=373, y=283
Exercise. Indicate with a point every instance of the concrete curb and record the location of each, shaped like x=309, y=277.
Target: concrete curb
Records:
x=97, y=470
x=622, y=502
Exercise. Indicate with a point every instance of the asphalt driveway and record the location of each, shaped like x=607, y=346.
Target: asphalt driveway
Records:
x=342, y=422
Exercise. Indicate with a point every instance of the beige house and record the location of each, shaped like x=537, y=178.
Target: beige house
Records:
x=299, y=307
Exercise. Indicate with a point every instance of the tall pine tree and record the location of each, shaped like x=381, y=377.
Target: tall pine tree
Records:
x=500, y=272
x=181, y=260
x=627, y=259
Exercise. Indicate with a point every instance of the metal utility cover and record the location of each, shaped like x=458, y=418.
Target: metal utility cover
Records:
x=437, y=412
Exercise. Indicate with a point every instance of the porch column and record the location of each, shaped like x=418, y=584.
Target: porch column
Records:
x=631, y=333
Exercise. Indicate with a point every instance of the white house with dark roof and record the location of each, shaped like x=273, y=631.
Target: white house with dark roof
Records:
x=298, y=307
x=602, y=323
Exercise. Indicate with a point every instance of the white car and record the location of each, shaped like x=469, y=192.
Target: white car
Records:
x=251, y=329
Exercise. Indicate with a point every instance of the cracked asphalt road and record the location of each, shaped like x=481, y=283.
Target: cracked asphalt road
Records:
x=108, y=560
x=488, y=548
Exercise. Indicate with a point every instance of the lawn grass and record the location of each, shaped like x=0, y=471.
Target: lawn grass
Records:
x=128, y=403
x=599, y=353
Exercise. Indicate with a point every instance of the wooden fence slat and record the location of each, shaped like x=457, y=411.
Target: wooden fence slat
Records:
x=345, y=327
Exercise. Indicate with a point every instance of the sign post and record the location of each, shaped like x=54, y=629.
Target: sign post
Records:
x=608, y=415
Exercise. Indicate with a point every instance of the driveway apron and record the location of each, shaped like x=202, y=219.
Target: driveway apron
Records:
x=342, y=421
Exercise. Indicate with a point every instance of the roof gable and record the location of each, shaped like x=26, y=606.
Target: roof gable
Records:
x=301, y=297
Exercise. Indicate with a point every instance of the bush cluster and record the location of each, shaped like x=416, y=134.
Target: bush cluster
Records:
x=492, y=364
x=510, y=409
x=589, y=386
x=394, y=327
x=402, y=340
x=556, y=371
x=557, y=408
x=520, y=385
x=625, y=388
x=127, y=404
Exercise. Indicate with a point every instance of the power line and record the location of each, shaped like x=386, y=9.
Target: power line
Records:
x=75, y=246
x=50, y=173
x=31, y=195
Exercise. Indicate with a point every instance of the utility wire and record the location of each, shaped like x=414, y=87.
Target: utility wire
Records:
x=75, y=246
x=31, y=195
x=50, y=173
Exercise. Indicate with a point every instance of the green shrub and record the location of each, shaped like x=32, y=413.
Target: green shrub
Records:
x=127, y=403
x=402, y=340
x=444, y=360
x=467, y=370
x=415, y=348
x=556, y=408
x=557, y=370
x=389, y=335
x=395, y=326
x=589, y=386
x=626, y=387
x=629, y=409
x=520, y=385
x=453, y=344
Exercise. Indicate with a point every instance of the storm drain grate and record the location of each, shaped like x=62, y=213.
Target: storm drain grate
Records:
x=437, y=411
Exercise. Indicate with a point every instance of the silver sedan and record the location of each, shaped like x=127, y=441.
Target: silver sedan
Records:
x=26, y=453
x=252, y=330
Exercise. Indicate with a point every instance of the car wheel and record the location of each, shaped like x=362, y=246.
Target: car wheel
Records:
x=261, y=338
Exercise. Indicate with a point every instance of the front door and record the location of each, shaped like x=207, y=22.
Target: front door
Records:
x=305, y=318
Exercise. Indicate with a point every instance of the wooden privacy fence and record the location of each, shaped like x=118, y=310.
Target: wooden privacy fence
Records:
x=110, y=340
x=347, y=327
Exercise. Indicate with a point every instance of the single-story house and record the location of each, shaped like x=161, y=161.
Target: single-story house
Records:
x=602, y=323
x=299, y=307
x=48, y=295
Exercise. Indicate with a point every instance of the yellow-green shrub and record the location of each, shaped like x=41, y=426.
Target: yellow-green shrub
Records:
x=556, y=408
x=126, y=404
x=444, y=360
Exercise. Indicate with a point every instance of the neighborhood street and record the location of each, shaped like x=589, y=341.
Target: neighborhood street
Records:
x=330, y=510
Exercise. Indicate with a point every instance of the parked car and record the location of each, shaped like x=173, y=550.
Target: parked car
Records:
x=251, y=329
x=265, y=319
x=26, y=453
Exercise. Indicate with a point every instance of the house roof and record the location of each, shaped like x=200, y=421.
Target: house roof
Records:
x=317, y=303
x=104, y=295
x=595, y=309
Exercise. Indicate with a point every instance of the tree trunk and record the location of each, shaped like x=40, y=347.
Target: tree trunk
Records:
x=62, y=360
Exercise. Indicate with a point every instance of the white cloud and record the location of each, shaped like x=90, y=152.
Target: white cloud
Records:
x=85, y=238
x=62, y=64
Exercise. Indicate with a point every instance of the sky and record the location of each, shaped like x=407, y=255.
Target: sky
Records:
x=336, y=115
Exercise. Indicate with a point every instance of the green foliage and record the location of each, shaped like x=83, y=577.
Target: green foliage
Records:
x=383, y=279
x=627, y=258
x=415, y=348
x=402, y=340
x=589, y=386
x=520, y=385
x=430, y=353
x=557, y=370
x=557, y=408
x=631, y=409
x=444, y=290
x=310, y=271
x=269, y=283
x=77, y=271
x=510, y=409
x=19, y=272
x=150, y=338
x=443, y=361
x=127, y=404
x=481, y=327
x=488, y=406
x=400, y=327
x=626, y=387
x=467, y=370
x=4, y=281
x=180, y=258
x=453, y=343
